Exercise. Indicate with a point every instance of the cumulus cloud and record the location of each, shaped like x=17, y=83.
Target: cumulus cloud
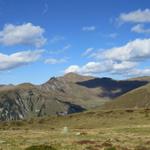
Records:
x=101, y=67
x=25, y=34
x=89, y=28
x=18, y=59
x=138, y=16
x=139, y=28
x=137, y=50
x=139, y=72
x=53, y=61
x=123, y=60
x=72, y=68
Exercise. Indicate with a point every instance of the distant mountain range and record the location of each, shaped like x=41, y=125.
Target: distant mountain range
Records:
x=71, y=93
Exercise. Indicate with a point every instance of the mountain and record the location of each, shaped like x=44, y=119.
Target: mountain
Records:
x=27, y=100
x=112, y=88
x=70, y=93
x=138, y=98
x=73, y=77
x=144, y=78
x=57, y=96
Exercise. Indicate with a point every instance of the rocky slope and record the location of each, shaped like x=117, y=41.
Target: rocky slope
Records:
x=60, y=96
x=26, y=101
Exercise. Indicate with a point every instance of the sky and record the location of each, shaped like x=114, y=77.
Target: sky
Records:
x=40, y=39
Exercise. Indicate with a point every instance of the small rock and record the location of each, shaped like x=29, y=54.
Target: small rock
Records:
x=65, y=130
x=78, y=133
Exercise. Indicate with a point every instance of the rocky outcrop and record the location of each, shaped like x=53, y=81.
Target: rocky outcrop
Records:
x=22, y=103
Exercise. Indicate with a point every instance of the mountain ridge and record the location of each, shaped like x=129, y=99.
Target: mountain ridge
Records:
x=63, y=95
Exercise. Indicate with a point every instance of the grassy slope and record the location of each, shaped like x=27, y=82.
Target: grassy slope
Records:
x=144, y=78
x=137, y=98
x=93, y=130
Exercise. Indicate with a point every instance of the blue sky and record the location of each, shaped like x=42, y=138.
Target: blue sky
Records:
x=44, y=38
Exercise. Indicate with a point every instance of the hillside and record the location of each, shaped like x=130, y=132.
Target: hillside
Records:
x=137, y=98
x=144, y=78
x=112, y=88
x=26, y=101
x=70, y=93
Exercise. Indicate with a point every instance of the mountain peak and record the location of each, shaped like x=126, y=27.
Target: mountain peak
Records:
x=70, y=74
x=74, y=77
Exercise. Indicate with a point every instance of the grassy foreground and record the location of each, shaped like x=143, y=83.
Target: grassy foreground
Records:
x=94, y=130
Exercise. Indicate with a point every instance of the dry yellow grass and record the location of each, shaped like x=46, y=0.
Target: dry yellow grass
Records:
x=95, y=130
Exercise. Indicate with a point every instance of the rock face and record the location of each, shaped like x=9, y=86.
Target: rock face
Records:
x=26, y=101
x=60, y=96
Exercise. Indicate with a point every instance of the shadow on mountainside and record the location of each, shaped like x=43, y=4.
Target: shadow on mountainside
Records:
x=112, y=88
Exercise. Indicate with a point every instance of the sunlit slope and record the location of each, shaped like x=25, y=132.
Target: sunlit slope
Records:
x=137, y=98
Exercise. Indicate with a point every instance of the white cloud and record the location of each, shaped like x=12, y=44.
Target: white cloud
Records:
x=138, y=16
x=18, y=59
x=89, y=28
x=93, y=67
x=102, y=67
x=122, y=66
x=123, y=60
x=139, y=72
x=72, y=68
x=53, y=61
x=138, y=49
x=25, y=34
x=88, y=51
x=139, y=28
